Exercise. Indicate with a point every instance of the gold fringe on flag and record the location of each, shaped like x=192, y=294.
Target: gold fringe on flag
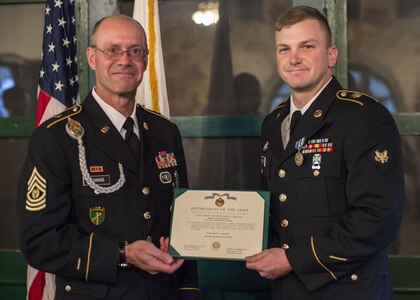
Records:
x=152, y=51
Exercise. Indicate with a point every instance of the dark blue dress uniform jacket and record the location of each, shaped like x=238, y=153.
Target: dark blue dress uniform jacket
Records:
x=336, y=213
x=75, y=235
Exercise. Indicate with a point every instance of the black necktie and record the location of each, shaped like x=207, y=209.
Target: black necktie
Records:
x=295, y=119
x=131, y=138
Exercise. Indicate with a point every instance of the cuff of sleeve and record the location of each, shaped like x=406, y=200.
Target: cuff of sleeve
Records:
x=189, y=293
x=308, y=266
x=102, y=257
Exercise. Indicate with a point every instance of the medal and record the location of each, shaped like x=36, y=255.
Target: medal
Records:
x=299, y=156
x=74, y=129
x=298, y=159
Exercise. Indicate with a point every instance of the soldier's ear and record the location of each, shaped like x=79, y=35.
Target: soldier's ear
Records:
x=90, y=57
x=332, y=56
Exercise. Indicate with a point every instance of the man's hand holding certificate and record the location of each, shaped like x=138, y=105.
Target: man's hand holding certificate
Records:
x=218, y=224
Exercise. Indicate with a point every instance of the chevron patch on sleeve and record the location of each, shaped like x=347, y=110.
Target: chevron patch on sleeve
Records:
x=36, y=197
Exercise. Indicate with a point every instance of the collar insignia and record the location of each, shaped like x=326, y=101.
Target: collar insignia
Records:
x=105, y=129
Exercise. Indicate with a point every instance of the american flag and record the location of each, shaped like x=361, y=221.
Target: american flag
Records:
x=58, y=88
x=58, y=85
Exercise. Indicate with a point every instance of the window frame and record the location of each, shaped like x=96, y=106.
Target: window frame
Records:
x=208, y=126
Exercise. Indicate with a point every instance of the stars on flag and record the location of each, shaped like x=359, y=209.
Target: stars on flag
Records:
x=58, y=72
x=58, y=3
x=61, y=22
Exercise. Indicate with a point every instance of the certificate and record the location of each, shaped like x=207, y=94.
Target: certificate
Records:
x=209, y=224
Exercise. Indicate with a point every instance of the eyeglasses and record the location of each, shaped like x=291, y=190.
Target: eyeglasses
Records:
x=114, y=53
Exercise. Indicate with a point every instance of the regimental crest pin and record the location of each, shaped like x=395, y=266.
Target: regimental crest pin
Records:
x=74, y=129
x=36, y=196
x=97, y=215
x=105, y=129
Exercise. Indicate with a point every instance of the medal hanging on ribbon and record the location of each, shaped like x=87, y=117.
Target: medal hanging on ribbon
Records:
x=299, y=156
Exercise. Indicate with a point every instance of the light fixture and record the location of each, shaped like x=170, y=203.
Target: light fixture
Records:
x=207, y=13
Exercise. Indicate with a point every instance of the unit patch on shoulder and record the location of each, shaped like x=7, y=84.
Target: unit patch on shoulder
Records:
x=36, y=196
x=97, y=215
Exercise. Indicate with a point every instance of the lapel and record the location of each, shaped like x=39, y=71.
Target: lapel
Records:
x=104, y=136
x=274, y=134
x=148, y=141
x=312, y=121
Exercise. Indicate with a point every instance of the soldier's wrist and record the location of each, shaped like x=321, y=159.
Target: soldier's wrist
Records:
x=122, y=262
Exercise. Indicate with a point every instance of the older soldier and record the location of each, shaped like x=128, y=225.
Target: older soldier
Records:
x=97, y=185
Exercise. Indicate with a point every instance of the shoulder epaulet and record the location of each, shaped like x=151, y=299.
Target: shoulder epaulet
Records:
x=69, y=112
x=281, y=105
x=154, y=113
x=274, y=111
x=353, y=96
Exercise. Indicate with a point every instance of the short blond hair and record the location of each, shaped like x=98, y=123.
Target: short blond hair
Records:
x=301, y=13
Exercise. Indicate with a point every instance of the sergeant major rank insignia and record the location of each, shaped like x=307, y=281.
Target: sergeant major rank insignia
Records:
x=36, y=196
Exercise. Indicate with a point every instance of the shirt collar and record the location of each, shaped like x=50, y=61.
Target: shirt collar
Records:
x=293, y=107
x=115, y=116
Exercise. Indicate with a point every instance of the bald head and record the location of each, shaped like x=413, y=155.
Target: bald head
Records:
x=120, y=19
x=118, y=54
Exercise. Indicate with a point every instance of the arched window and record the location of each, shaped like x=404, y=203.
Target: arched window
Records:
x=373, y=85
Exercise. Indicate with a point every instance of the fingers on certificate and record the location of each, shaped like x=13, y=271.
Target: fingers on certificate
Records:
x=271, y=263
x=146, y=256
